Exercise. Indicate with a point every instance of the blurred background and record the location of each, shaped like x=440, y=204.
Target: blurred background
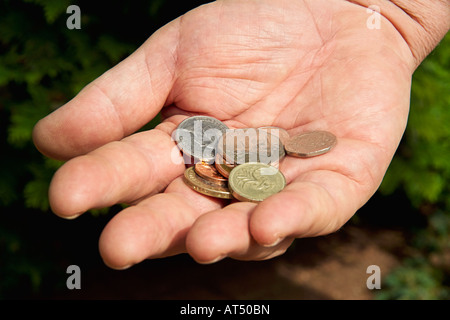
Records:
x=404, y=228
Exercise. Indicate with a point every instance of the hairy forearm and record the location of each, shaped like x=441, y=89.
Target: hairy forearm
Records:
x=422, y=23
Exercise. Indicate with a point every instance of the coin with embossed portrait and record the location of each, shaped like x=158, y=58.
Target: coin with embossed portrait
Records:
x=255, y=181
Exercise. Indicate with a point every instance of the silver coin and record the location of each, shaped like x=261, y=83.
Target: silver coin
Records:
x=197, y=137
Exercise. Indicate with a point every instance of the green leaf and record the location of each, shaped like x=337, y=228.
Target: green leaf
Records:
x=52, y=8
x=23, y=118
x=36, y=194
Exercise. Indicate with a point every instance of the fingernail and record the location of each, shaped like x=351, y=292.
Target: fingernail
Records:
x=70, y=217
x=273, y=244
x=214, y=260
x=118, y=268
x=123, y=268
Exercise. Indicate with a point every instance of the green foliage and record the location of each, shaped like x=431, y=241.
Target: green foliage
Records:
x=52, y=8
x=36, y=190
x=43, y=64
x=421, y=168
x=416, y=279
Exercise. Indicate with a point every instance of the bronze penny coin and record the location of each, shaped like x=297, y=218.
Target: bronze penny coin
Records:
x=310, y=144
x=209, y=172
x=222, y=167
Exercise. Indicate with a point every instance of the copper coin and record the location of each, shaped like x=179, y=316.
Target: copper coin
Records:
x=222, y=167
x=209, y=172
x=310, y=144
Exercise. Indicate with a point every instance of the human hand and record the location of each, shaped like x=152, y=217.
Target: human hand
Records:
x=299, y=65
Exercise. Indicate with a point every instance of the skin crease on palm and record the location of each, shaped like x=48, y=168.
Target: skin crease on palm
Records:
x=299, y=65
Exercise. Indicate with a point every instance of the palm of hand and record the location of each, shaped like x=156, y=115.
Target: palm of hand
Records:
x=297, y=65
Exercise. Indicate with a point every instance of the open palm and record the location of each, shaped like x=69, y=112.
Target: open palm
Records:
x=299, y=65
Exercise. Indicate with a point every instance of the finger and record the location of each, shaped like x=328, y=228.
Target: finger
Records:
x=118, y=172
x=114, y=105
x=302, y=209
x=322, y=194
x=225, y=233
x=154, y=228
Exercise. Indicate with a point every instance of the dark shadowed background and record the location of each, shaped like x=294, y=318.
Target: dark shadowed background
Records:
x=404, y=229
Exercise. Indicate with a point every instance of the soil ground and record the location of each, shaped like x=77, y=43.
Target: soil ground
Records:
x=332, y=267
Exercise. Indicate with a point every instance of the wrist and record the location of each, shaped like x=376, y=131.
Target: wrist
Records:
x=421, y=23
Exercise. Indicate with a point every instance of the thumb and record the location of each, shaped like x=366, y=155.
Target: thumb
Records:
x=114, y=105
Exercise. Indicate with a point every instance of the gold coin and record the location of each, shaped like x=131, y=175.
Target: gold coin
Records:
x=255, y=181
x=206, y=187
x=310, y=144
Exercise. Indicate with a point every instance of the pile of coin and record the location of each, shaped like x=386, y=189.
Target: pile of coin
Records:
x=241, y=164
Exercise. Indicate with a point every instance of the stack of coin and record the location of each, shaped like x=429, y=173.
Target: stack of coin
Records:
x=213, y=186
x=241, y=164
x=240, y=146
